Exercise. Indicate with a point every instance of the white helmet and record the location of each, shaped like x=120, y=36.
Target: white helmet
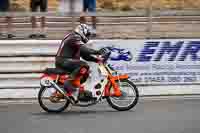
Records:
x=84, y=31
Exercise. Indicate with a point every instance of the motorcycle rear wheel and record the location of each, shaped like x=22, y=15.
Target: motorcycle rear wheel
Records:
x=47, y=109
x=134, y=101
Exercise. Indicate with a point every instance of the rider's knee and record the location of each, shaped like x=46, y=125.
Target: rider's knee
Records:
x=84, y=78
x=84, y=73
x=84, y=69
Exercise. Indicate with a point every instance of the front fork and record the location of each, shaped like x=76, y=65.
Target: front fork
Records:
x=113, y=84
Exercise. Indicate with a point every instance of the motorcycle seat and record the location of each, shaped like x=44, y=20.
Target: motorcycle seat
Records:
x=55, y=71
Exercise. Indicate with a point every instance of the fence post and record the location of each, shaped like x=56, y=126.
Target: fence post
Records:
x=72, y=12
x=149, y=23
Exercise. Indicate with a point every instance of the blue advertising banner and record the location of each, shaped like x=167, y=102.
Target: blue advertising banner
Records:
x=175, y=61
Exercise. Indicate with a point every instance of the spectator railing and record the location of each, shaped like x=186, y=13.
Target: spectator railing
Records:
x=188, y=12
x=150, y=16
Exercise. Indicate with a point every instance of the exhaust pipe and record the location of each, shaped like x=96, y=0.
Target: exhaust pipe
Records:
x=48, y=82
x=57, y=87
x=60, y=90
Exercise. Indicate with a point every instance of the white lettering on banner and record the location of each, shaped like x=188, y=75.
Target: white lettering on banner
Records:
x=167, y=61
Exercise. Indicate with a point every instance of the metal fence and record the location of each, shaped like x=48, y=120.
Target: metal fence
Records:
x=117, y=24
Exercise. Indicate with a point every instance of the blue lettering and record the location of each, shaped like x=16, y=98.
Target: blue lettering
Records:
x=191, y=49
x=167, y=48
x=147, y=52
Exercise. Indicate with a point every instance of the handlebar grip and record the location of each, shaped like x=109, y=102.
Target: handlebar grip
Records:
x=106, y=57
x=105, y=52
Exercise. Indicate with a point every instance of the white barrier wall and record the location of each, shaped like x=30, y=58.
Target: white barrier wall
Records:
x=158, y=67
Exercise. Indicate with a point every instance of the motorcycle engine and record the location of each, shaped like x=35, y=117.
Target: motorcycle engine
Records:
x=85, y=96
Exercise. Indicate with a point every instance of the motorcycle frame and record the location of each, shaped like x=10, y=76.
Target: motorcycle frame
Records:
x=105, y=69
x=110, y=79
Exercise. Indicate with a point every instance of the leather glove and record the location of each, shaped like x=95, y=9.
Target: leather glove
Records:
x=100, y=60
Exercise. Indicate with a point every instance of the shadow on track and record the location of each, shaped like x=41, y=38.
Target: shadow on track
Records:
x=83, y=112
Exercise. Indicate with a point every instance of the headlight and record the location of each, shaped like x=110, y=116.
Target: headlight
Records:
x=46, y=81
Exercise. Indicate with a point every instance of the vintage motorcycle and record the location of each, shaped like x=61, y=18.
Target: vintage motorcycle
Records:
x=53, y=79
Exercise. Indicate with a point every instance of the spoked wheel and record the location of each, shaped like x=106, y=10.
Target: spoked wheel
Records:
x=52, y=101
x=128, y=99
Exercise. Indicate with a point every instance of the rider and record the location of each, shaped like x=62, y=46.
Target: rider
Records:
x=68, y=58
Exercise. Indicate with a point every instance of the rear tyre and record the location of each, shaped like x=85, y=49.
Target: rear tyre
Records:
x=41, y=101
x=134, y=99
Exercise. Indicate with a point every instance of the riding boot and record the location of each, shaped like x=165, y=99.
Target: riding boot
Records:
x=71, y=90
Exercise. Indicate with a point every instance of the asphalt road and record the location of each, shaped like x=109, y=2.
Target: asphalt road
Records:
x=149, y=116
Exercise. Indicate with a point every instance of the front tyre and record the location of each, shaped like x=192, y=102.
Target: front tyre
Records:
x=49, y=104
x=127, y=87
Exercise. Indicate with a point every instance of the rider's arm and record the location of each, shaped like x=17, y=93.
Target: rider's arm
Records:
x=84, y=49
x=87, y=54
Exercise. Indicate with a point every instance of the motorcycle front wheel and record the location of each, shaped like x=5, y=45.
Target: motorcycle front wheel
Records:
x=129, y=98
x=52, y=103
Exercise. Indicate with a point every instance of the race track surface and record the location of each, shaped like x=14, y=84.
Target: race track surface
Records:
x=149, y=116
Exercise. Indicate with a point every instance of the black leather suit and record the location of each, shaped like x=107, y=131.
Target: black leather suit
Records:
x=71, y=49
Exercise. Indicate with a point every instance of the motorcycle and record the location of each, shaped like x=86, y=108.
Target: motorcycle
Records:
x=52, y=92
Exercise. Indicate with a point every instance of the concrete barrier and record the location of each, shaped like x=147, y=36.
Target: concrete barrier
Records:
x=28, y=47
x=19, y=81
x=25, y=64
x=143, y=91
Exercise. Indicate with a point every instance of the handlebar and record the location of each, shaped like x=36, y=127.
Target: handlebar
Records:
x=106, y=57
x=105, y=53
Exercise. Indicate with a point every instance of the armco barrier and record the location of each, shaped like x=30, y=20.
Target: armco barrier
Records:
x=22, y=61
x=25, y=64
x=19, y=81
x=22, y=48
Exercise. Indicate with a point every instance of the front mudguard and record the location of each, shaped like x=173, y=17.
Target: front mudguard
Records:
x=119, y=77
